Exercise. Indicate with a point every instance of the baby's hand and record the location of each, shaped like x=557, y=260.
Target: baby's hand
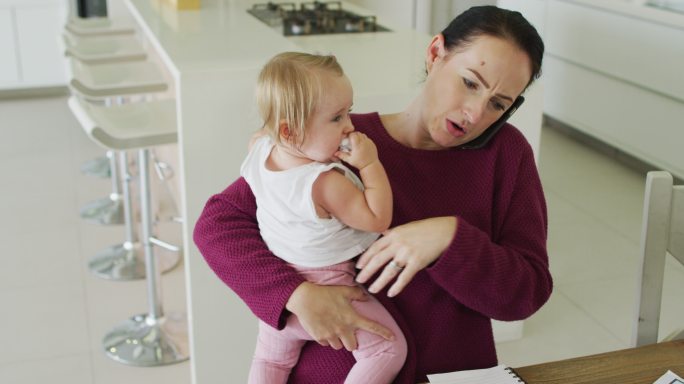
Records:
x=362, y=151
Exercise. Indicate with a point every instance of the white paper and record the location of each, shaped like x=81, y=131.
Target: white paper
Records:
x=495, y=375
x=669, y=378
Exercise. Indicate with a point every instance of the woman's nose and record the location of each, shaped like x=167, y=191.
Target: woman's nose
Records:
x=474, y=111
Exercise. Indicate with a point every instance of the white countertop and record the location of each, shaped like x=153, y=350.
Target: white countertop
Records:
x=214, y=55
x=222, y=35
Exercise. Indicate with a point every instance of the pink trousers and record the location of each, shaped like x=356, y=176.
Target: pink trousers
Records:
x=377, y=360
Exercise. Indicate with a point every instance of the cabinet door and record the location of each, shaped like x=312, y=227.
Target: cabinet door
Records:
x=41, y=55
x=9, y=68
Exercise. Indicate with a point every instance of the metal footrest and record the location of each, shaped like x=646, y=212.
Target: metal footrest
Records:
x=146, y=341
x=98, y=167
x=123, y=262
x=105, y=211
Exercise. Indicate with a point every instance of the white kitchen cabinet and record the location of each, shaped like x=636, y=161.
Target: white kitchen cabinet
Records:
x=614, y=72
x=644, y=52
x=9, y=68
x=32, y=53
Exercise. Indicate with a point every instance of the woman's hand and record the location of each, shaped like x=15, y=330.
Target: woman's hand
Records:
x=405, y=250
x=326, y=314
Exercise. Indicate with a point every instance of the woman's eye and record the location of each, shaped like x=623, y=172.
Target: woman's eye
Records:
x=469, y=84
x=498, y=106
x=337, y=118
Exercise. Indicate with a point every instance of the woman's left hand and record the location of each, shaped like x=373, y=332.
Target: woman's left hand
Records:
x=405, y=250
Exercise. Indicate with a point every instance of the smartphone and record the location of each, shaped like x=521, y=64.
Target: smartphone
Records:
x=484, y=138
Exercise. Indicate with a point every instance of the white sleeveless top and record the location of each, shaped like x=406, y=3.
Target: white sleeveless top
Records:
x=287, y=217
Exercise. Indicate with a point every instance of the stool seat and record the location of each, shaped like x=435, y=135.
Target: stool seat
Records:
x=104, y=49
x=128, y=126
x=99, y=26
x=108, y=80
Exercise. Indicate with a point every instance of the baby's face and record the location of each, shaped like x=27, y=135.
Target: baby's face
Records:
x=330, y=122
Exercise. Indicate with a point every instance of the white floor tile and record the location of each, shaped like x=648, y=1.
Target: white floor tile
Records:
x=40, y=258
x=582, y=249
x=610, y=302
x=64, y=370
x=55, y=312
x=560, y=330
x=596, y=184
x=43, y=322
x=107, y=371
x=672, y=307
x=34, y=125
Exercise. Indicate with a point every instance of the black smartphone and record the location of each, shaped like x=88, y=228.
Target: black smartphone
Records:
x=484, y=138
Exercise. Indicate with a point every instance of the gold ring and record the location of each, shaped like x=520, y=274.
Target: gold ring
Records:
x=394, y=265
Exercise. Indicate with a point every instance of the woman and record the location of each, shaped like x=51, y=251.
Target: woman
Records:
x=468, y=238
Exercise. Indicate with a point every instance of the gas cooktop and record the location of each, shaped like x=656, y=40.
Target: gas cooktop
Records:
x=314, y=18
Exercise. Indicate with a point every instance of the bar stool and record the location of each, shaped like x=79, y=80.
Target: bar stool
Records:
x=99, y=82
x=100, y=26
x=103, y=49
x=150, y=339
x=100, y=41
x=104, y=83
x=107, y=81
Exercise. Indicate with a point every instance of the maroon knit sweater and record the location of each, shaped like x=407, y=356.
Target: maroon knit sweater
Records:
x=496, y=266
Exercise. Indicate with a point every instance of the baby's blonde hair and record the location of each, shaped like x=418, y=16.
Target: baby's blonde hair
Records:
x=289, y=88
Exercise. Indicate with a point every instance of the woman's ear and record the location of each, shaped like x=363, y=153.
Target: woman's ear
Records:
x=436, y=51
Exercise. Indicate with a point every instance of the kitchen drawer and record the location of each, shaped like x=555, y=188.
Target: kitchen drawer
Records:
x=32, y=55
x=42, y=57
x=635, y=50
x=644, y=124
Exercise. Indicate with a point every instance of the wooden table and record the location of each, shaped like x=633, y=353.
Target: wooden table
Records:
x=642, y=365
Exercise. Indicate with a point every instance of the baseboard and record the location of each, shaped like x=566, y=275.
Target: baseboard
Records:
x=607, y=149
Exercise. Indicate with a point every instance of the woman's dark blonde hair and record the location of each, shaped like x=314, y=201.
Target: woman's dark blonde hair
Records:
x=289, y=88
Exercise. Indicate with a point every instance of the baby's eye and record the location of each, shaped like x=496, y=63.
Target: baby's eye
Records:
x=337, y=118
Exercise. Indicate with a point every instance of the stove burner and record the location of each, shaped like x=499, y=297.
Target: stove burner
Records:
x=313, y=18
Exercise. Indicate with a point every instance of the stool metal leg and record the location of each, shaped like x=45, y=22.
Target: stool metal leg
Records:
x=121, y=261
x=150, y=339
x=108, y=210
x=125, y=261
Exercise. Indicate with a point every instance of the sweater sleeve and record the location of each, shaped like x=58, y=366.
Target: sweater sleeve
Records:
x=227, y=235
x=504, y=276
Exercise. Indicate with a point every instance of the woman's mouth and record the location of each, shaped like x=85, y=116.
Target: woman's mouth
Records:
x=455, y=129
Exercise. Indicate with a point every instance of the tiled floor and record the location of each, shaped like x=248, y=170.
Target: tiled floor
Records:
x=54, y=312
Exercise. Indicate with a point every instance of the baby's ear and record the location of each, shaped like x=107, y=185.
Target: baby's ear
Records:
x=284, y=130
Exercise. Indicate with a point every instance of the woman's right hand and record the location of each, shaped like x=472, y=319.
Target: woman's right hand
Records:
x=326, y=313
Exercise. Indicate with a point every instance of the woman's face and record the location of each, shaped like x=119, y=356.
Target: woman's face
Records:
x=469, y=88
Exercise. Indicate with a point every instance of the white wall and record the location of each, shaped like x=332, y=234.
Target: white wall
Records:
x=428, y=16
x=529, y=117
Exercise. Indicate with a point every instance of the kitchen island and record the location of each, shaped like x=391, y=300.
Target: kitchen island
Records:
x=214, y=55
